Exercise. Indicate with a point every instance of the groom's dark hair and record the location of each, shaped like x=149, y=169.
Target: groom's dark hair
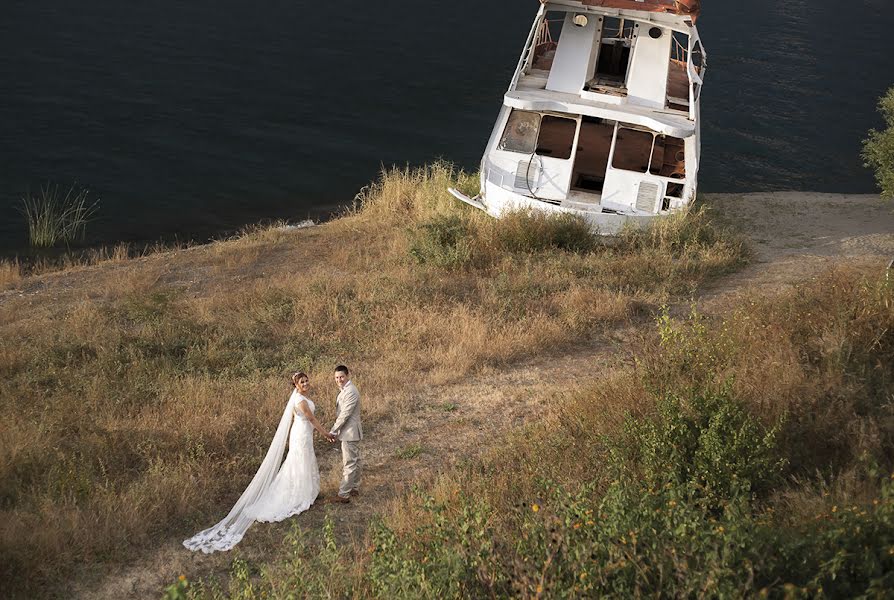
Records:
x=342, y=369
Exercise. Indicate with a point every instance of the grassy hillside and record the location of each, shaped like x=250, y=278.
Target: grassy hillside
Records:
x=745, y=457
x=137, y=396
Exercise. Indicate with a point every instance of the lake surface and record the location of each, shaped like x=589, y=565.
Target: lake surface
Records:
x=191, y=119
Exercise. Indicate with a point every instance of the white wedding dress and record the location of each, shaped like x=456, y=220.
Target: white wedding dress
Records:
x=277, y=491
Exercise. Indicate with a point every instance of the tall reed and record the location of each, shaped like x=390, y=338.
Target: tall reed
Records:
x=57, y=216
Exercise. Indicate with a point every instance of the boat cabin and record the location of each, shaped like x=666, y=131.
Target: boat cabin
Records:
x=601, y=115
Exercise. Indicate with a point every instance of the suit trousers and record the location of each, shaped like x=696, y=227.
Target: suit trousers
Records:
x=350, y=460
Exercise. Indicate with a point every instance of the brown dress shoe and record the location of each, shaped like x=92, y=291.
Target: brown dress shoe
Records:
x=339, y=499
x=355, y=493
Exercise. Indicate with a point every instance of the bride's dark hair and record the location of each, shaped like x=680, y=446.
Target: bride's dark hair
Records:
x=298, y=375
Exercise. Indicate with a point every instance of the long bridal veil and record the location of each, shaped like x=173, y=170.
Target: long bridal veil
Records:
x=230, y=530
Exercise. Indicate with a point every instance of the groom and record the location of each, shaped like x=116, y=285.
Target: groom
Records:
x=348, y=429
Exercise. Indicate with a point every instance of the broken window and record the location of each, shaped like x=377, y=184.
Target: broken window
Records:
x=647, y=152
x=668, y=157
x=549, y=135
x=677, y=75
x=520, y=134
x=614, y=53
x=697, y=57
x=594, y=144
x=556, y=137
x=674, y=190
x=547, y=40
x=633, y=150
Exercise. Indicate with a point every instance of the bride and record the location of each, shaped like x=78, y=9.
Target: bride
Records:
x=277, y=491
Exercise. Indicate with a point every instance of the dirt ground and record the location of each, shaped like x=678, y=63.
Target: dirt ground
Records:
x=794, y=236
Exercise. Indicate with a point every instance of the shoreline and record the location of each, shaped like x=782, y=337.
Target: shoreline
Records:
x=164, y=242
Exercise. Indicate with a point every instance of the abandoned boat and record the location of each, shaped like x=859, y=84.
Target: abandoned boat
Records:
x=601, y=118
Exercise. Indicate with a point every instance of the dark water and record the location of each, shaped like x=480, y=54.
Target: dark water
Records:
x=193, y=117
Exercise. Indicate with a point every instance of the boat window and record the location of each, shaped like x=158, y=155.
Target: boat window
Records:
x=556, y=137
x=675, y=190
x=697, y=57
x=546, y=40
x=633, y=150
x=677, y=75
x=616, y=28
x=591, y=157
x=614, y=53
x=520, y=134
x=668, y=157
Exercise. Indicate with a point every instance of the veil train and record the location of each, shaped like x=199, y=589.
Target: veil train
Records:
x=229, y=531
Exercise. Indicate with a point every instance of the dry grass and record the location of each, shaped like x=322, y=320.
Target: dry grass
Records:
x=133, y=409
x=10, y=274
x=818, y=359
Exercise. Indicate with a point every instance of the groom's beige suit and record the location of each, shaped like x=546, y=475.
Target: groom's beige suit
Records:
x=349, y=431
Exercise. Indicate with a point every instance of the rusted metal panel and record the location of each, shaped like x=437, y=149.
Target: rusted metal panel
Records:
x=690, y=8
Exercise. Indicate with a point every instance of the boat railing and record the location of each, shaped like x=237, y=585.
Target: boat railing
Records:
x=526, y=52
x=540, y=40
x=679, y=52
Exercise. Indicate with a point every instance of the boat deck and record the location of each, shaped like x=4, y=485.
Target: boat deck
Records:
x=526, y=96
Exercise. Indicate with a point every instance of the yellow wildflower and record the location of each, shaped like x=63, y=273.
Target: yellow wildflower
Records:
x=535, y=507
x=181, y=578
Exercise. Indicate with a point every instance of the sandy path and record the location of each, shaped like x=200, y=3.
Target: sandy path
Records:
x=795, y=236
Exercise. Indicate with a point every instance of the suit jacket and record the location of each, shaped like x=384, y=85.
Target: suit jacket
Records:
x=347, y=421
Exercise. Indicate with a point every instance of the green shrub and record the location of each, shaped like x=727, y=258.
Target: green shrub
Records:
x=878, y=148
x=676, y=519
x=682, y=235
x=450, y=555
x=443, y=241
x=452, y=241
x=529, y=231
x=706, y=444
x=681, y=518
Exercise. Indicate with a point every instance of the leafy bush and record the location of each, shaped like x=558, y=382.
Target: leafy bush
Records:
x=878, y=148
x=681, y=518
x=448, y=556
x=673, y=519
x=706, y=444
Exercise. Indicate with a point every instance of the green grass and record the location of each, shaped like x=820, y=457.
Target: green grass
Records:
x=410, y=452
x=57, y=216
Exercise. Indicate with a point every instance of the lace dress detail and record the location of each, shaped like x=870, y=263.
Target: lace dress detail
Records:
x=277, y=491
